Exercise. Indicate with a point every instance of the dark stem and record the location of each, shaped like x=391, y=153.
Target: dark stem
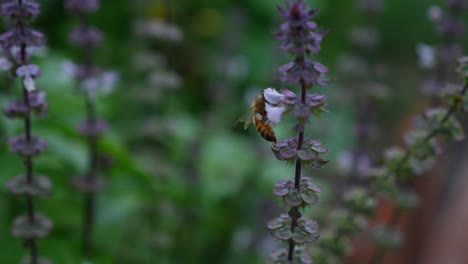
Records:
x=88, y=224
x=291, y=250
x=92, y=141
x=31, y=243
x=380, y=253
x=29, y=179
x=295, y=215
x=298, y=172
x=89, y=203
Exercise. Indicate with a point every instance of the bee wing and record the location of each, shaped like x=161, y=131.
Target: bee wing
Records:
x=246, y=118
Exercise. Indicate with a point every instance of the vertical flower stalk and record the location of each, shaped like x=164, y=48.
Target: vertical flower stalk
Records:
x=19, y=40
x=403, y=165
x=90, y=80
x=422, y=147
x=300, y=37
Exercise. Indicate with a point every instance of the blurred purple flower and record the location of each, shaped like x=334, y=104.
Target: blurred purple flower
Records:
x=31, y=70
x=457, y=5
x=309, y=71
x=5, y=64
x=86, y=36
x=93, y=127
x=22, y=35
x=27, y=147
x=15, y=9
x=37, y=103
x=298, y=34
x=371, y=5
x=82, y=6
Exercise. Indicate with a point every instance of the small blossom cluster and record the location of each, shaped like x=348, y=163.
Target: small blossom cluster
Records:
x=308, y=154
x=299, y=36
x=449, y=24
x=422, y=148
x=280, y=103
x=18, y=41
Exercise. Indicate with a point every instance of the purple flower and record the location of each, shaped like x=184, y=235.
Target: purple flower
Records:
x=299, y=35
x=5, y=64
x=289, y=97
x=315, y=100
x=86, y=36
x=37, y=102
x=82, y=6
x=309, y=153
x=456, y=5
x=309, y=71
x=82, y=71
x=23, y=228
x=14, y=9
x=29, y=70
x=451, y=27
x=297, y=14
x=27, y=148
x=371, y=5
x=39, y=186
x=93, y=127
x=22, y=35
x=307, y=193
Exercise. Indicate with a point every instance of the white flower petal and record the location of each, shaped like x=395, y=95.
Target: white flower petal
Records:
x=29, y=84
x=108, y=81
x=426, y=55
x=272, y=96
x=274, y=113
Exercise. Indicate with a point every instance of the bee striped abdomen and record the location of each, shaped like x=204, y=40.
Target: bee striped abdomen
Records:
x=263, y=128
x=258, y=115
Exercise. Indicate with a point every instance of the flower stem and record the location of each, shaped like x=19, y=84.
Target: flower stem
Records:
x=297, y=176
x=89, y=203
x=88, y=224
x=92, y=141
x=32, y=245
x=379, y=255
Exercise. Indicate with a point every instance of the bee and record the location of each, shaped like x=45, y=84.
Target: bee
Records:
x=264, y=113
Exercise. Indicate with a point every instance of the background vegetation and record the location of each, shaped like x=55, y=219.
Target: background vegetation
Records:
x=184, y=185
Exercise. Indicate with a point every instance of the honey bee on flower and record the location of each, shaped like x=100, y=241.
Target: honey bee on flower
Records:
x=266, y=111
